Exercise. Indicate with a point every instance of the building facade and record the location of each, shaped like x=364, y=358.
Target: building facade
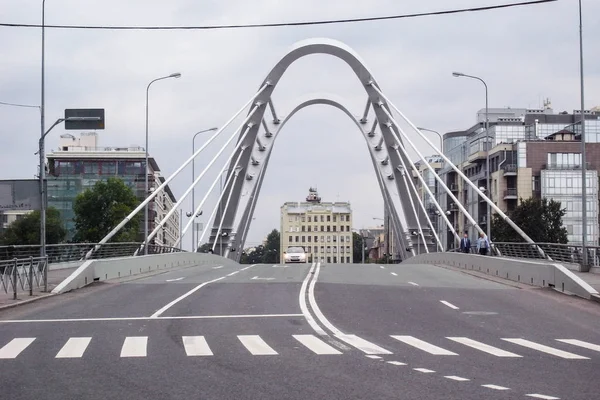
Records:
x=324, y=230
x=8, y=217
x=79, y=163
x=533, y=153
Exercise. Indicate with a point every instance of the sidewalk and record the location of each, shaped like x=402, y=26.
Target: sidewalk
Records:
x=54, y=278
x=592, y=279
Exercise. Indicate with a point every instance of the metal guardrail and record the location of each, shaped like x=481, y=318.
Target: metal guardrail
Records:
x=23, y=275
x=59, y=253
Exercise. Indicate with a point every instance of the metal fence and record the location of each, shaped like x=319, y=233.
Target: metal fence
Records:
x=59, y=253
x=23, y=275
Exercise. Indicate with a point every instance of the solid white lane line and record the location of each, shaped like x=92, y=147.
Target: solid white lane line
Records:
x=134, y=346
x=363, y=345
x=546, y=349
x=256, y=278
x=452, y=306
x=413, y=283
x=174, y=280
x=314, y=305
x=395, y=363
x=393, y=273
x=13, y=348
x=196, y=346
x=542, y=396
x=74, y=348
x=373, y=356
x=456, y=378
x=422, y=345
x=219, y=267
x=256, y=346
x=233, y=273
x=177, y=300
x=150, y=318
x=382, y=267
x=304, y=307
x=483, y=347
x=495, y=387
x=424, y=370
x=316, y=345
x=249, y=266
x=581, y=343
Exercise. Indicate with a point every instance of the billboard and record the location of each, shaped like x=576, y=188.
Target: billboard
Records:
x=23, y=194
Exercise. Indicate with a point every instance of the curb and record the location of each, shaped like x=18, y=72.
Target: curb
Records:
x=595, y=298
x=28, y=301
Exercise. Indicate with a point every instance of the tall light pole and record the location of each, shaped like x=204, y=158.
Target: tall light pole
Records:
x=585, y=266
x=194, y=244
x=42, y=150
x=175, y=75
x=487, y=149
x=437, y=133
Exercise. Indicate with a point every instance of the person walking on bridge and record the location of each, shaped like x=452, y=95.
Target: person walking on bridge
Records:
x=465, y=244
x=483, y=244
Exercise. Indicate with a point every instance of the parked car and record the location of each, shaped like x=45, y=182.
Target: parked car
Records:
x=294, y=255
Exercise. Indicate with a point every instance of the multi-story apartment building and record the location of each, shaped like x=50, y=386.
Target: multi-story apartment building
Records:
x=324, y=230
x=8, y=217
x=533, y=153
x=79, y=163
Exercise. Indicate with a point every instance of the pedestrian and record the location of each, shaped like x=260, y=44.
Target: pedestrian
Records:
x=465, y=244
x=483, y=244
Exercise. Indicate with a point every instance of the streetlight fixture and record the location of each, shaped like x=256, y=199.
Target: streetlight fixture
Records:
x=487, y=143
x=585, y=266
x=194, y=244
x=174, y=75
x=437, y=133
x=41, y=146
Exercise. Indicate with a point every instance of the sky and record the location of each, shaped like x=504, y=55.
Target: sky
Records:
x=525, y=54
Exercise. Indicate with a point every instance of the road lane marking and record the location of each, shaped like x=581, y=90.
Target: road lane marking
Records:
x=382, y=267
x=256, y=346
x=177, y=300
x=245, y=268
x=281, y=266
x=74, y=348
x=546, y=349
x=304, y=307
x=456, y=378
x=395, y=363
x=219, y=267
x=422, y=345
x=313, y=302
x=581, y=343
x=393, y=273
x=13, y=348
x=173, y=280
x=495, y=387
x=374, y=357
x=362, y=344
x=148, y=318
x=233, y=273
x=256, y=278
x=452, y=306
x=542, y=396
x=196, y=346
x=424, y=370
x=316, y=345
x=483, y=347
x=134, y=346
x=414, y=284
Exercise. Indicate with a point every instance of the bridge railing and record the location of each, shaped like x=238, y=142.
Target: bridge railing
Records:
x=61, y=253
x=23, y=275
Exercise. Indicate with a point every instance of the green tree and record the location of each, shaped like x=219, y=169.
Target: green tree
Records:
x=205, y=248
x=99, y=209
x=26, y=230
x=253, y=256
x=271, y=248
x=357, y=248
x=540, y=219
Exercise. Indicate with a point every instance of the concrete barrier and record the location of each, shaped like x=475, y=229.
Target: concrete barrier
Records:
x=535, y=273
x=114, y=268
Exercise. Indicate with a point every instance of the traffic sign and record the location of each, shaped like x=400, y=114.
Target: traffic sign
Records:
x=84, y=118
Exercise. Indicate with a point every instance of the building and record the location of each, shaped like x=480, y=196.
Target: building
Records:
x=324, y=230
x=8, y=217
x=533, y=153
x=79, y=163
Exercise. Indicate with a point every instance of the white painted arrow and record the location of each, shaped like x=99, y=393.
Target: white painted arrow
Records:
x=173, y=280
x=219, y=267
x=264, y=279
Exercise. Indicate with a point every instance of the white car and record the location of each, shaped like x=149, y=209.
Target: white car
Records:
x=294, y=255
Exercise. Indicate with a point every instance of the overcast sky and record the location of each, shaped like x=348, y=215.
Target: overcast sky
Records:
x=525, y=54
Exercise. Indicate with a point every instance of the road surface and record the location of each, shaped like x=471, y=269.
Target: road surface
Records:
x=310, y=331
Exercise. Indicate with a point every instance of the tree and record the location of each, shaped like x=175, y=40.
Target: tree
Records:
x=254, y=255
x=26, y=230
x=540, y=219
x=358, y=246
x=271, y=248
x=205, y=248
x=99, y=209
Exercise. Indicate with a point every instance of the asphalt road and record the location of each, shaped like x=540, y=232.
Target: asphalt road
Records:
x=302, y=331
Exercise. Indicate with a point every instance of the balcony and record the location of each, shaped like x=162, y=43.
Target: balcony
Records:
x=511, y=194
x=555, y=166
x=453, y=207
x=453, y=187
x=510, y=170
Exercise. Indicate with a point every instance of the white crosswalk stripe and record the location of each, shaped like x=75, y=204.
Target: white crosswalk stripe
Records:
x=546, y=349
x=422, y=345
x=74, y=348
x=196, y=346
x=483, y=347
x=134, y=346
x=581, y=343
x=363, y=345
x=256, y=346
x=13, y=348
x=316, y=345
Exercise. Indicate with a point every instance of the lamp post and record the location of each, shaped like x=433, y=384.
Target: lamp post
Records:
x=487, y=147
x=194, y=244
x=174, y=75
x=41, y=146
x=585, y=266
x=437, y=133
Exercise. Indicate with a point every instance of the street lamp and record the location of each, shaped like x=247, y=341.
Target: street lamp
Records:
x=194, y=244
x=174, y=75
x=41, y=146
x=487, y=148
x=585, y=267
x=437, y=133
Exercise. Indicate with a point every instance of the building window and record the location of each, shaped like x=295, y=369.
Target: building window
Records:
x=322, y=249
x=347, y=249
x=309, y=228
x=303, y=239
x=4, y=218
x=316, y=239
x=322, y=228
x=335, y=250
x=309, y=218
x=309, y=239
x=297, y=239
x=334, y=259
x=291, y=239
x=342, y=238
x=334, y=238
x=341, y=228
x=328, y=228
x=334, y=228
x=335, y=218
x=348, y=218
x=348, y=260
x=328, y=249
x=322, y=239
x=316, y=249
x=322, y=218
x=308, y=249
x=342, y=249
x=303, y=219
x=328, y=238
x=347, y=228
x=329, y=260
x=329, y=218
x=303, y=228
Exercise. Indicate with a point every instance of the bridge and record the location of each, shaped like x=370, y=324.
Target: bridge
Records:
x=172, y=324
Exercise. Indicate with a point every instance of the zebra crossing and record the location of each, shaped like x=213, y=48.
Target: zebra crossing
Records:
x=255, y=345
